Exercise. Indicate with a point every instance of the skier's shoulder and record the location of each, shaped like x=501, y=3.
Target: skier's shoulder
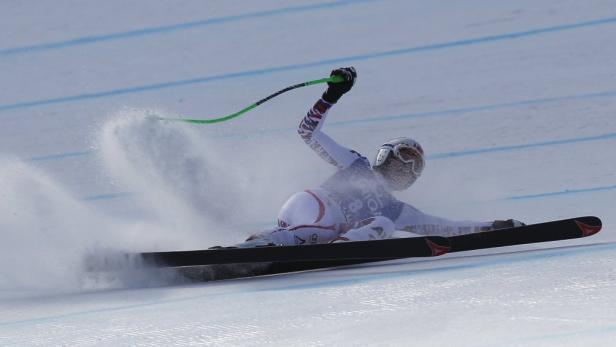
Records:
x=360, y=160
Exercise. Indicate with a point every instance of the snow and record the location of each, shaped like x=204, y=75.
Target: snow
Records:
x=512, y=101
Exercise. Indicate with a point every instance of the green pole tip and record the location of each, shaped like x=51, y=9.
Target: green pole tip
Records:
x=336, y=79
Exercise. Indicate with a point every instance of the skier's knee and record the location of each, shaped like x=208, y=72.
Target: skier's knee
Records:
x=294, y=235
x=374, y=228
x=383, y=225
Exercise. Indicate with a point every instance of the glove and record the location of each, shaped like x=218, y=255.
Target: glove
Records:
x=335, y=90
x=509, y=223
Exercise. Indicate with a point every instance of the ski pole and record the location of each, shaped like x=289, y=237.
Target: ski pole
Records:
x=333, y=79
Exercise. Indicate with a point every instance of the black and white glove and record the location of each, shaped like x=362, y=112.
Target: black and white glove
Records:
x=509, y=223
x=335, y=90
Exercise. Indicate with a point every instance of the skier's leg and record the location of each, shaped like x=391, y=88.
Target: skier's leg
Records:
x=374, y=228
x=296, y=235
x=310, y=207
x=303, y=234
x=307, y=217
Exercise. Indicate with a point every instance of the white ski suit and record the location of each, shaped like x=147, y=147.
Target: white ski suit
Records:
x=352, y=205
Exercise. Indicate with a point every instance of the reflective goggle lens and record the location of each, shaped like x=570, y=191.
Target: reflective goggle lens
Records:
x=406, y=154
x=410, y=155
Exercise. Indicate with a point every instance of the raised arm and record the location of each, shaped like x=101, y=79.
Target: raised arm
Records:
x=311, y=124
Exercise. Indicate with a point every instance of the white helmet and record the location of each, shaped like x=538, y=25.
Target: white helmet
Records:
x=400, y=161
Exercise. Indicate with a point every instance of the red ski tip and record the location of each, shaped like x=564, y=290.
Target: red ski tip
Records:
x=437, y=249
x=588, y=230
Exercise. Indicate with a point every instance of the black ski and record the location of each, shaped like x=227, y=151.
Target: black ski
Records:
x=245, y=262
x=543, y=232
x=322, y=254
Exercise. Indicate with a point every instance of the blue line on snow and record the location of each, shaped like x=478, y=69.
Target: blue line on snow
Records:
x=564, y=192
x=611, y=136
x=375, y=119
x=437, y=156
x=525, y=341
x=440, y=113
x=334, y=61
x=502, y=259
x=44, y=319
x=464, y=110
x=108, y=196
x=509, y=258
x=85, y=40
x=509, y=198
x=61, y=156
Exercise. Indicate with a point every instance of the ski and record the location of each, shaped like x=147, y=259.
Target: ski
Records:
x=543, y=232
x=242, y=262
x=318, y=255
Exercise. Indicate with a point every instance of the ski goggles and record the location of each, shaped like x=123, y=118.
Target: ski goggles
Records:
x=404, y=153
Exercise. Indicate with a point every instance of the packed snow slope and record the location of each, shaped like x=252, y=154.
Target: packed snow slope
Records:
x=514, y=102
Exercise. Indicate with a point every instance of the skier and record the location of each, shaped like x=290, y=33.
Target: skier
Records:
x=356, y=203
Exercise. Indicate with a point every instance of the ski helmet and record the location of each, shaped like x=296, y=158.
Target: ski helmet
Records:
x=400, y=161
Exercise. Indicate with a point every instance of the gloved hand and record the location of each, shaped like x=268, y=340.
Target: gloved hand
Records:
x=335, y=90
x=509, y=223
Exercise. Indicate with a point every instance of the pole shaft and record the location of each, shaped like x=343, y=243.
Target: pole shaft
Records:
x=333, y=79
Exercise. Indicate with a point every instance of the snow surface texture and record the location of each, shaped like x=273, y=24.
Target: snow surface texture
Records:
x=513, y=102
